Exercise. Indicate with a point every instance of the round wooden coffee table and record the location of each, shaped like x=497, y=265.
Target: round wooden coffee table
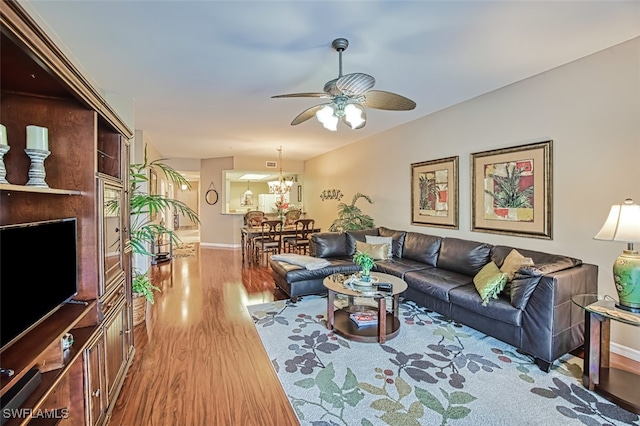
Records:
x=339, y=320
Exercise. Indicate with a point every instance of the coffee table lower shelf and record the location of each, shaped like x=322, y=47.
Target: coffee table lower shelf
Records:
x=345, y=327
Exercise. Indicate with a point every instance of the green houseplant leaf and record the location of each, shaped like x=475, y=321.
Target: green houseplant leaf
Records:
x=351, y=218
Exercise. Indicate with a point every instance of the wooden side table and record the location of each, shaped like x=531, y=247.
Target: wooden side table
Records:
x=618, y=386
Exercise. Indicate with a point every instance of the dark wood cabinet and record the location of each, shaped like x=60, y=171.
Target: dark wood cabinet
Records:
x=87, y=175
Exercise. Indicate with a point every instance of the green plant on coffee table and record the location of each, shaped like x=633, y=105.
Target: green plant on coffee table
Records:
x=142, y=285
x=365, y=261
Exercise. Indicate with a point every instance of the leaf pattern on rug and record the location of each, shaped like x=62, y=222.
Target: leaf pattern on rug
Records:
x=435, y=379
x=584, y=405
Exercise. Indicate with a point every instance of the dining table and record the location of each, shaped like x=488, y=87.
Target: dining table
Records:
x=248, y=233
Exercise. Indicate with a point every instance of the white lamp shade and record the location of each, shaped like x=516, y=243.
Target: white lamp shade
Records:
x=623, y=223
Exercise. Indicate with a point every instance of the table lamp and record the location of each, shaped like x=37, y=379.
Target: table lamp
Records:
x=623, y=224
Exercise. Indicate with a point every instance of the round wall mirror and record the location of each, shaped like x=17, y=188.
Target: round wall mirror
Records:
x=211, y=197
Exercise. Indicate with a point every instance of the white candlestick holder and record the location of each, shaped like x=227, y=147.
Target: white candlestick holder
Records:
x=3, y=171
x=36, y=171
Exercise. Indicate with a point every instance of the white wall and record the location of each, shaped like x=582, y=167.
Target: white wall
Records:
x=590, y=108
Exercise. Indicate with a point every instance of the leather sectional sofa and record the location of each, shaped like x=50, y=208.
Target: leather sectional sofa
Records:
x=536, y=315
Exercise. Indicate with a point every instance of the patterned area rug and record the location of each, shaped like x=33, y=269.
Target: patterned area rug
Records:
x=184, y=250
x=435, y=372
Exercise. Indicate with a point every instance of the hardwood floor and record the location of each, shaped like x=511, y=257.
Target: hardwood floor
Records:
x=199, y=359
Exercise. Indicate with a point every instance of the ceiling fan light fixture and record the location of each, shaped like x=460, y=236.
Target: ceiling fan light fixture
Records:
x=348, y=92
x=353, y=116
x=327, y=117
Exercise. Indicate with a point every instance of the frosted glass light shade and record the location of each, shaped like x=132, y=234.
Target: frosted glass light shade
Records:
x=327, y=118
x=353, y=116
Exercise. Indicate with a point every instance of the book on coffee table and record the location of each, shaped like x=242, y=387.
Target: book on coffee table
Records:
x=364, y=319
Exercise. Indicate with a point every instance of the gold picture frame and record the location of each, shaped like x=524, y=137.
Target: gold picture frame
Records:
x=434, y=193
x=512, y=190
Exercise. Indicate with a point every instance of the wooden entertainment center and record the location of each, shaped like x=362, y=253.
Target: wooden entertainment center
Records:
x=86, y=171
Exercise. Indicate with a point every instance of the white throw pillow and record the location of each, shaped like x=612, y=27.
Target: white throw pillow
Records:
x=372, y=239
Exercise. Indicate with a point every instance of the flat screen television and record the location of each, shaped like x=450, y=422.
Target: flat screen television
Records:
x=38, y=274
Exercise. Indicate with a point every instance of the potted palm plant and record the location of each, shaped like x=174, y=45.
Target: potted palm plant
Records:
x=143, y=292
x=365, y=262
x=351, y=218
x=145, y=205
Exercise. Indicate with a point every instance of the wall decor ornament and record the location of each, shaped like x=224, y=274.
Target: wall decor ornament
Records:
x=512, y=190
x=434, y=193
x=331, y=194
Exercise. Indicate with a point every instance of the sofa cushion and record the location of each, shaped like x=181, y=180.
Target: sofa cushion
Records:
x=397, y=237
x=523, y=285
x=329, y=244
x=373, y=239
x=463, y=256
x=489, y=282
x=499, y=309
x=421, y=248
x=399, y=267
x=436, y=282
x=360, y=235
x=376, y=251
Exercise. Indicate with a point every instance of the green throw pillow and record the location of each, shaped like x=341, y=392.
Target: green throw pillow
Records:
x=489, y=282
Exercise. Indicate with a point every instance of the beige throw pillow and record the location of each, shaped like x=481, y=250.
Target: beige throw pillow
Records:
x=513, y=262
x=372, y=239
x=376, y=251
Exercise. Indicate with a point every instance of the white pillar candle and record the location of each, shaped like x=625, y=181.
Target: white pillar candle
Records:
x=37, y=138
x=3, y=135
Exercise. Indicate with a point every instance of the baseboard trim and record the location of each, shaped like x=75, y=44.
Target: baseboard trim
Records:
x=219, y=245
x=625, y=351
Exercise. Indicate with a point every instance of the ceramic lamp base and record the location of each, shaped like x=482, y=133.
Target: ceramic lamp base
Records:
x=626, y=273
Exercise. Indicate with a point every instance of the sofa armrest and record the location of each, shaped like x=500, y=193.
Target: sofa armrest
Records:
x=552, y=325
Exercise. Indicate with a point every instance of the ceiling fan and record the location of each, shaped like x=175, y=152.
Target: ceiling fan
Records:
x=349, y=94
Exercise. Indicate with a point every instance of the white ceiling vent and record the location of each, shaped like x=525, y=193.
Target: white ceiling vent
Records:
x=272, y=164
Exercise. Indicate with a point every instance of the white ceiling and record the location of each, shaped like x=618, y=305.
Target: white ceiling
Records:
x=201, y=73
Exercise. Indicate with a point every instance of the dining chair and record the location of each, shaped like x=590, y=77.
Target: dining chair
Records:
x=299, y=242
x=269, y=241
x=254, y=218
x=291, y=216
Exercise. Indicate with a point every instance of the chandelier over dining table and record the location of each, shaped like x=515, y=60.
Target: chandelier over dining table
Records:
x=280, y=186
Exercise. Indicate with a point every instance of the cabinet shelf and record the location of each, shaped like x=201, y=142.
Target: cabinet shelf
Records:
x=24, y=354
x=23, y=188
x=50, y=379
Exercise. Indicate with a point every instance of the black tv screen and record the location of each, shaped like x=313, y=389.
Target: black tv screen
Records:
x=38, y=273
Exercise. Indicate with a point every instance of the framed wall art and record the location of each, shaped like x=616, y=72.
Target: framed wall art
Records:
x=434, y=193
x=512, y=191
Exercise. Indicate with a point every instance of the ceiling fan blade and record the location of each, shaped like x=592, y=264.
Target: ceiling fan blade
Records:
x=331, y=88
x=307, y=114
x=380, y=99
x=302, y=95
x=356, y=83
